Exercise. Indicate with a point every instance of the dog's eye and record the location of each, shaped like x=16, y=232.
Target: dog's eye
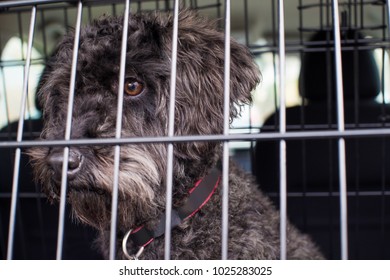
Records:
x=133, y=87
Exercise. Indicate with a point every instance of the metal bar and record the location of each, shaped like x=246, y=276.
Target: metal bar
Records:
x=72, y=82
x=262, y=49
x=246, y=23
x=171, y=132
x=334, y=194
x=384, y=215
x=282, y=130
x=321, y=17
x=44, y=37
x=388, y=17
x=39, y=206
x=20, y=3
x=341, y=142
x=219, y=10
x=226, y=124
x=275, y=136
x=6, y=110
x=361, y=14
x=31, y=195
x=24, y=195
x=66, y=24
x=343, y=200
x=15, y=181
x=118, y=131
x=365, y=2
x=274, y=48
x=302, y=115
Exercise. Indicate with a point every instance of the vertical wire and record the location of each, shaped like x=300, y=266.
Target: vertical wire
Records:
x=383, y=159
x=282, y=130
x=341, y=128
x=37, y=189
x=275, y=120
x=328, y=69
x=355, y=14
x=20, y=31
x=44, y=37
x=118, y=131
x=384, y=22
x=171, y=132
x=247, y=43
x=349, y=19
x=302, y=116
x=89, y=13
x=246, y=23
x=15, y=181
x=167, y=5
x=219, y=10
x=329, y=106
x=361, y=14
x=66, y=23
x=226, y=115
x=356, y=143
x=2, y=240
x=321, y=15
x=21, y=36
x=6, y=109
x=72, y=83
x=384, y=142
x=388, y=17
x=113, y=7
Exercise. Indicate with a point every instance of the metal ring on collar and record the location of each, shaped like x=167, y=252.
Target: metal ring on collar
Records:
x=124, y=248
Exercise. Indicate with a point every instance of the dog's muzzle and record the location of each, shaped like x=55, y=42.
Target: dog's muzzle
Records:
x=75, y=162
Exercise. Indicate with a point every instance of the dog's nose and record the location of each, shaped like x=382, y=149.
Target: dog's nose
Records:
x=75, y=161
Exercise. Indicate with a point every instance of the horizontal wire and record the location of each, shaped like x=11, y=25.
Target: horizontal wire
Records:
x=302, y=135
x=332, y=194
x=266, y=129
x=366, y=2
x=31, y=195
x=21, y=3
x=23, y=6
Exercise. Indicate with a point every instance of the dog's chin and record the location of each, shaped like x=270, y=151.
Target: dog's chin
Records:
x=53, y=189
x=92, y=190
x=90, y=207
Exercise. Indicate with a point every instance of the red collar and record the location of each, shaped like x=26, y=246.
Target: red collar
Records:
x=200, y=194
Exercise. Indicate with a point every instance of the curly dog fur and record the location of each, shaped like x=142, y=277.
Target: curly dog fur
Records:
x=253, y=220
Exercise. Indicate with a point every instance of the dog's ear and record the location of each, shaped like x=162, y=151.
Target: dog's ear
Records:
x=200, y=75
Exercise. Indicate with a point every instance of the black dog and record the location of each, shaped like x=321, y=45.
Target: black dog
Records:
x=253, y=221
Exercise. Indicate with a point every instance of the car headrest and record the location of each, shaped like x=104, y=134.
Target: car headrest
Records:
x=360, y=70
